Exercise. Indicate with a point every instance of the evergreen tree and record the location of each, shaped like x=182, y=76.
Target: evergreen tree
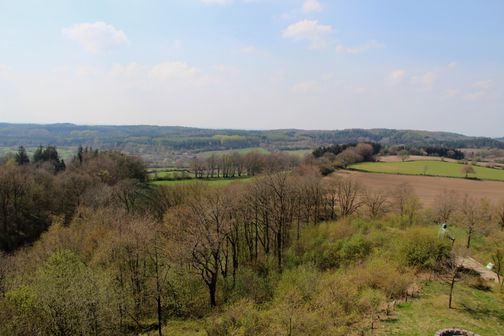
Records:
x=21, y=157
x=38, y=155
x=80, y=154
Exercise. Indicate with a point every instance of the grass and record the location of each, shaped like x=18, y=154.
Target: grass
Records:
x=475, y=310
x=430, y=168
x=182, y=328
x=65, y=153
x=301, y=153
x=216, y=182
x=169, y=174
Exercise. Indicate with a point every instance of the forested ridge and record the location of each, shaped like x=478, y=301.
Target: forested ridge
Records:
x=134, y=138
x=92, y=248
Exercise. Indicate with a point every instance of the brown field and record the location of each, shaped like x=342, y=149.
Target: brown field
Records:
x=427, y=188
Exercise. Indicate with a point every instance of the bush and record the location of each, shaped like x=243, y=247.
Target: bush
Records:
x=239, y=319
x=380, y=274
x=354, y=249
x=252, y=285
x=421, y=248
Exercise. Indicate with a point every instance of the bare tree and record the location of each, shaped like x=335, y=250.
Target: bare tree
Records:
x=498, y=261
x=376, y=202
x=467, y=169
x=407, y=202
x=500, y=215
x=347, y=196
x=475, y=213
x=201, y=227
x=403, y=155
x=445, y=205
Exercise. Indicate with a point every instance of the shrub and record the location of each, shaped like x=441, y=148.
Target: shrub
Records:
x=421, y=248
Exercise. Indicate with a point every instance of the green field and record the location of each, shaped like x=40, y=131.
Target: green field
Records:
x=169, y=175
x=298, y=152
x=430, y=168
x=475, y=310
x=216, y=182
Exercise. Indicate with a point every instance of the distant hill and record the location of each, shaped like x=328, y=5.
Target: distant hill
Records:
x=150, y=141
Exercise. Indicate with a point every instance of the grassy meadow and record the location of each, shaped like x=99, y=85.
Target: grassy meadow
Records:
x=479, y=311
x=430, y=168
x=215, y=182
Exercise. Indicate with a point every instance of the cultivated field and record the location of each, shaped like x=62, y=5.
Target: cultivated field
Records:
x=430, y=168
x=428, y=188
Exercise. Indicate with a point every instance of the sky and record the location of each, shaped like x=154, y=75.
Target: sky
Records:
x=255, y=64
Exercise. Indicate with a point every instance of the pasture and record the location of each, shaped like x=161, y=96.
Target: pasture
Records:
x=215, y=182
x=429, y=168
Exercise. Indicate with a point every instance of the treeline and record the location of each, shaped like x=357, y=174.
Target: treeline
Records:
x=33, y=192
x=341, y=156
x=437, y=151
x=238, y=165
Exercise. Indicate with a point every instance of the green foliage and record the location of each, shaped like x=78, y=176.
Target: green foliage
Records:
x=479, y=311
x=241, y=318
x=253, y=284
x=330, y=245
x=22, y=157
x=420, y=248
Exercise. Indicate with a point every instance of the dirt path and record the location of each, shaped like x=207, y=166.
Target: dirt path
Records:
x=470, y=263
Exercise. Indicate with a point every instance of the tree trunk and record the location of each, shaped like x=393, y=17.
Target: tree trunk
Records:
x=452, y=285
x=158, y=294
x=212, y=288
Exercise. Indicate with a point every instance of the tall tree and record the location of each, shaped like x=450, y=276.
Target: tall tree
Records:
x=22, y=157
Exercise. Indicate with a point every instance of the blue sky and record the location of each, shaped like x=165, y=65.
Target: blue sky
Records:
x=255, y=64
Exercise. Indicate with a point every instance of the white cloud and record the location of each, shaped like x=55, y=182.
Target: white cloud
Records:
x=425, y=81
x=252, y=50
x=396, y=76
x=95, y=37
x=86, y=71
x=483, y=84
x=4, y=68
x=475, y=95
x=127, y=71
x=312, y=6
x=172, y=70
x=481, y=90
x=305, y=87
x=359, y=49
x=452, y=92
x=355, y=89
x=452, y=65
x=309, y=30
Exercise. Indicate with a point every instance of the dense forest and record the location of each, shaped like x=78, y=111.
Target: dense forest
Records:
x=153, y=142
x=91, y=248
